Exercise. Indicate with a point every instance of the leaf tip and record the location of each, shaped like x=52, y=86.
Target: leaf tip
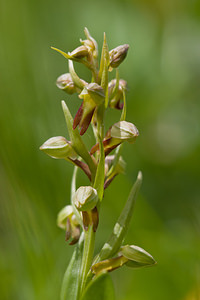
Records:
x=104, y=37
x=63, y=103
x=53, y=48
x=140, y=176
x=64, y=106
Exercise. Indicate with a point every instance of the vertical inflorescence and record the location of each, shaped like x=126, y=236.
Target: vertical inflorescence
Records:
x=99, y=165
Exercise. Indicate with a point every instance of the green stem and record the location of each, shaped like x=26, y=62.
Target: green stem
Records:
x=87, y=256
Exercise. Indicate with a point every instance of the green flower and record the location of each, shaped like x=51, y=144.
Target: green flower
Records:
x=58, y=147
x=92, y=95
x=116, y=95
x=117, y=134
x=67, y=220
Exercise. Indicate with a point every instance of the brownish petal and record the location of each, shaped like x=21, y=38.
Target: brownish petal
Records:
x=95, y=148
x=95, y=218
x=119, y=105
x=86, y=220
x=78, y=116
x=75, y=235
x=68, y=230
x=108, y=150
x=86, y=122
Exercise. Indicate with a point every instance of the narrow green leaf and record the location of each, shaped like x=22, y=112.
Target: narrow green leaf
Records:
x=101, y=61
x=114, y=242
x=104, y=72
x=73, y=183
x=76, y=140
x=123, y=115
x=88, y=252
x=100, y=174
x=71, y=280
x=104, y=63
x=73, y=190
x=99, y=178
x=105, y=84
x=100, y=288
x=104, y=79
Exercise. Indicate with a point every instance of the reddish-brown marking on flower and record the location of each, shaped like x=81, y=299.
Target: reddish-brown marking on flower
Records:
x=86, y=122
x=78, y=116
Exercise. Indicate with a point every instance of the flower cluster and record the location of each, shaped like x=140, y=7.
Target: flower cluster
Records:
x=100, y=166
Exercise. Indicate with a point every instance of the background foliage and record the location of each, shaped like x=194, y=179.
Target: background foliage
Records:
x=163, y=70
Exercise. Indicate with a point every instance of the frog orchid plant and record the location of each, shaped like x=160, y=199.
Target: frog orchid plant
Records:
x=86, y=276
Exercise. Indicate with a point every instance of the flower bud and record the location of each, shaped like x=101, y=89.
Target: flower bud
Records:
x=115, y=93
x=93, y=41
x=67, y=220
x=112, y=169
x=137, y=257
x=119, y=167
x=117, y=134
x=65, y=83
x=108, y=162
x=79, y=52
x=89, y=44
x=112, y=85
x=95, y=91
x=117, y=55
x=58, y=147
x=86, y=198
x=124, y=131
x=65, y=213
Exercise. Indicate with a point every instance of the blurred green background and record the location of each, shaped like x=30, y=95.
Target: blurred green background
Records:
x=163, y=71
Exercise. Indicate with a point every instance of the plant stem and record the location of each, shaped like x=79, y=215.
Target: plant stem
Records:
x=87, y=255
x=90, y=234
